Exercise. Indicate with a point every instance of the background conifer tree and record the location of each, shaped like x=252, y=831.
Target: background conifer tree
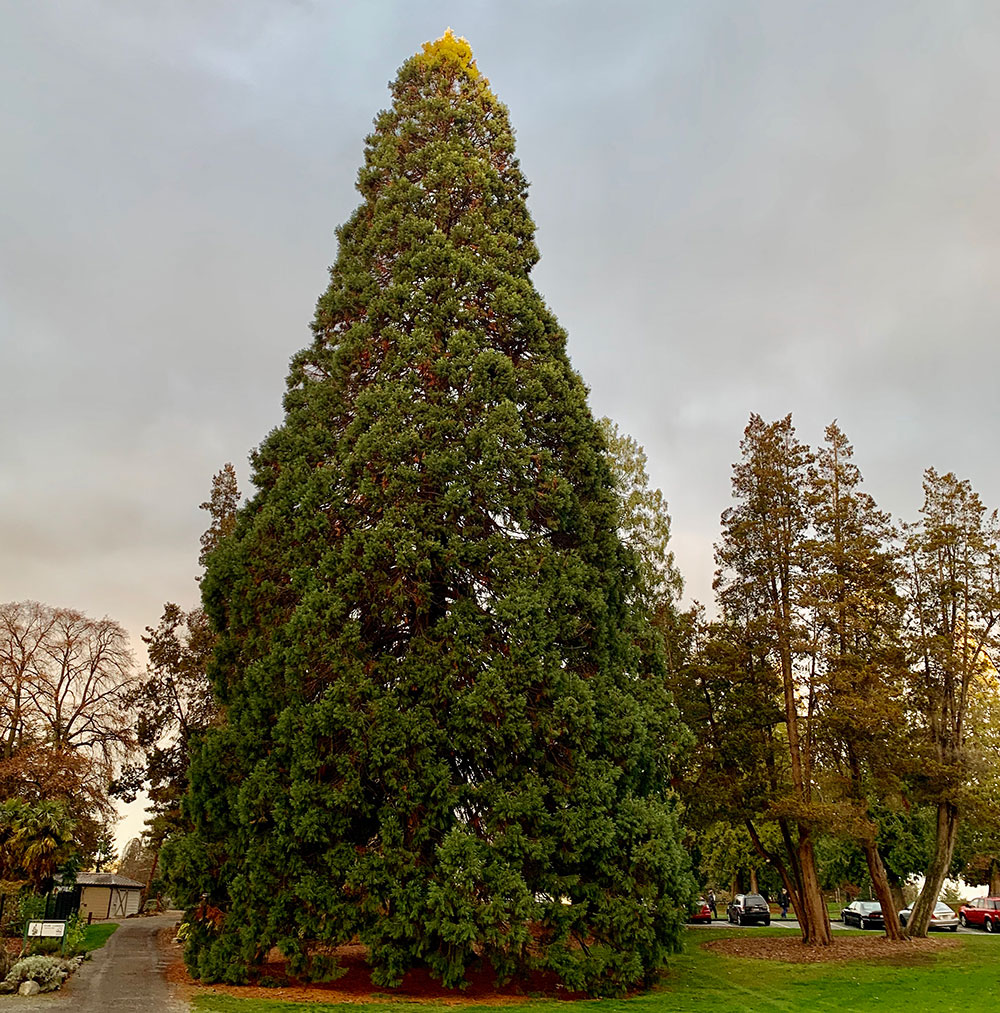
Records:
x=763, y=560
x=954, y=601
x=856, y=620
x=444, y=723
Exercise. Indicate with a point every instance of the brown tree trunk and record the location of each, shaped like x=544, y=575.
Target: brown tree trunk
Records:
x=898, y=900
x=814, y=919
x=876, y=867
x=753, y=881
x=149, y=880
x=944, y=847
x=816, y=928
x=994, y=878
x=880, y=884
x=801, y=881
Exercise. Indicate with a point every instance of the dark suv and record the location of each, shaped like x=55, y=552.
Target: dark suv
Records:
x=749, y=909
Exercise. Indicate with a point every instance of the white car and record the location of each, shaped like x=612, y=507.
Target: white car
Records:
x=942, y=917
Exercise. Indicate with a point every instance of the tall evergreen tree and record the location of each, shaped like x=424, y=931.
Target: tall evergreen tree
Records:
x=857, y=627
x=221, y=506
x=764, y=560
x=954, y=600
x=173, y=698
x=445, y=729
x=644, y=523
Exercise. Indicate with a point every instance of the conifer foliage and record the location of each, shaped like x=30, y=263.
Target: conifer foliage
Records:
x=444, y=729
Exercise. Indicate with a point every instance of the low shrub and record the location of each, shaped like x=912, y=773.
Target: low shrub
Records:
x=43, y=947
x=47, y=971
x=76, y=931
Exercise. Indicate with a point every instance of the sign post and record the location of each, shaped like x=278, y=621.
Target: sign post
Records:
x=48, y=929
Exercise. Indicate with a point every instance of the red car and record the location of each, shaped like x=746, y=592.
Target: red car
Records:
x=700, y=911
x=983, y=912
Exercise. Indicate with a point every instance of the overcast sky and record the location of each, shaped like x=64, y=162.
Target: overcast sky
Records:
x=742, y=207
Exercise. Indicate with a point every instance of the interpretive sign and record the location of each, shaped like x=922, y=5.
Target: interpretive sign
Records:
x=46, y=930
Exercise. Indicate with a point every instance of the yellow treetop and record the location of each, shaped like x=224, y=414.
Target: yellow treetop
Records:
x=448, y=47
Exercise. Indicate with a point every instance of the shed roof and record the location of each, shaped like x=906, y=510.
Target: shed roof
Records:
x=107, y=879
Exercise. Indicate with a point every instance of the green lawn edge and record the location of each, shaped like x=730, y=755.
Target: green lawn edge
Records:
x=967, y=976
x=95, y=936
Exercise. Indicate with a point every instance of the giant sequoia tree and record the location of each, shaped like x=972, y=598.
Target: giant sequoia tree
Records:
x=443, y=723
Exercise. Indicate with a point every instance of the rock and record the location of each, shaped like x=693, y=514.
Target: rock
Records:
x=29, y=988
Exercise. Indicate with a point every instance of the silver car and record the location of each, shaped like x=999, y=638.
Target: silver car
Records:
x=942, y=917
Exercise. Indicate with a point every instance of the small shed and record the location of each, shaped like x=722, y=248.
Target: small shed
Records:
x=106, y=895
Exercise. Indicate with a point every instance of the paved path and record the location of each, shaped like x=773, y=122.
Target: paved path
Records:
x=791, y=923
x=124, y=976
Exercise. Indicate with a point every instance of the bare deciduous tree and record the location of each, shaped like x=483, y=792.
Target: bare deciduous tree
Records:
x=64, y=683
x=24, y=626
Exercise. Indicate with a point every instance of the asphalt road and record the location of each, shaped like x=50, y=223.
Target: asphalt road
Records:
x=124, y=976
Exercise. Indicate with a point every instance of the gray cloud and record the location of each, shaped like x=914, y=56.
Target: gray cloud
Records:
x=771, y=207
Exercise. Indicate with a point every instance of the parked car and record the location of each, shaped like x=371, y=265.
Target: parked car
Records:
x=942, y=917
x=748, y=909
x=983, y=912
x=700, y=911
x=866, y=914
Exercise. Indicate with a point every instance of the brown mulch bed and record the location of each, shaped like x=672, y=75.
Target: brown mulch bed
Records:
x=792, y=951
x=356, y=984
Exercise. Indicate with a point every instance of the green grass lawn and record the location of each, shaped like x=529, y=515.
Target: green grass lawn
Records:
x=963, y=978
x=95, y=936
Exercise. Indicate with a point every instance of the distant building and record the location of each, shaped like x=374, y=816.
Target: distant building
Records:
x=99, y=896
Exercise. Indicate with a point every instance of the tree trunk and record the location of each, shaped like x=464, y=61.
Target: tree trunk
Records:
x=880, y=883
x=816, y=927
x=814, y=919
x=753, y=881
x=149, y=880
x=896, y=886
x=898, y=897
x=801, y=881
x=876, y=867
x=944, y=846
x=994, y=878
